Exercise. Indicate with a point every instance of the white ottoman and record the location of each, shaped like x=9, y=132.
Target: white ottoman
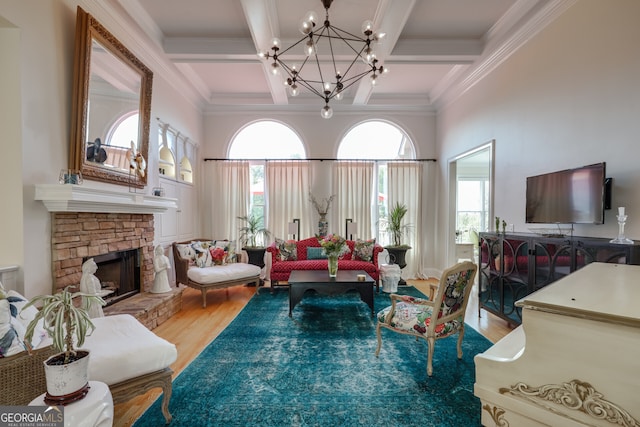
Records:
x=94, y=410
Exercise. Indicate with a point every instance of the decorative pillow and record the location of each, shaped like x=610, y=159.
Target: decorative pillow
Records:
x=21, y=317
x=315, y=253
x=218, y=255
x=186, y=252
x=229, y=247
x=288, y=250
x=10, y=343
x=203, y=255
x=363, y=249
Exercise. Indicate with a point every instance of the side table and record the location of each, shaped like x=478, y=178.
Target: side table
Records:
x=95, y=410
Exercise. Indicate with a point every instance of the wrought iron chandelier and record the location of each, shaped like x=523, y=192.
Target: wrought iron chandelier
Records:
x=318, y=42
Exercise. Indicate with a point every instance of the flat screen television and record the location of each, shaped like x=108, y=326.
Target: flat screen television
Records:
x=572, y=196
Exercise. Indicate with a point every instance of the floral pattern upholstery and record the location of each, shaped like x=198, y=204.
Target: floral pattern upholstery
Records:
x=280, y=270
x=413, y=317
x=199, y=252
x=287, y=249
x=432, y=320
x=363, y=249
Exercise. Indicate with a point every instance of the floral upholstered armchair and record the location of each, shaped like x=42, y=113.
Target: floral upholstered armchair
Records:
x=438, y=317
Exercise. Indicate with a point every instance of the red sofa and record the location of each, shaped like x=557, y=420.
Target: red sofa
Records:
x=280, y=270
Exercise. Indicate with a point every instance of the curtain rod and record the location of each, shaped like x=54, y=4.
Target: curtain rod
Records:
x=215, y=159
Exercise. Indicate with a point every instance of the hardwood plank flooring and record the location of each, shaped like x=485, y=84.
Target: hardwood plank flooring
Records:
x=194, y=327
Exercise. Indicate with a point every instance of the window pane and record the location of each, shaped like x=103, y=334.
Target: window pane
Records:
x=124, y=132
x=257, y=205
x=266, y=140
x=470, y=195
x=473, y=206
x=377, y=140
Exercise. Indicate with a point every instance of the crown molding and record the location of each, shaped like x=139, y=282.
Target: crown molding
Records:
x=533, y=17
x=115, y=16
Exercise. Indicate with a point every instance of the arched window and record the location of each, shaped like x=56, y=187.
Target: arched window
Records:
x=124, y=130
x=265, y=139
x=380, y=141
x=376, y=140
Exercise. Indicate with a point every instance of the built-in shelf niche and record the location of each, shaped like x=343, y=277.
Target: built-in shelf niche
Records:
x=186, y=172
x=166, y=163
x=174, y=145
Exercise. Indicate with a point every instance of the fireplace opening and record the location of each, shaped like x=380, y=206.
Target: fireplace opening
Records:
x=120, y=273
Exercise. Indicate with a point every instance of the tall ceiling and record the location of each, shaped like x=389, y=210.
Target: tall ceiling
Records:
x=433, y=49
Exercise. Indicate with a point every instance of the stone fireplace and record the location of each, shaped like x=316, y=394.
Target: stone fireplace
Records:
x=105, y=224
x=77, y=236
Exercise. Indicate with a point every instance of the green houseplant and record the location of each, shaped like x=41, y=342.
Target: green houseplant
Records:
x=252, y=233
x=398, y=229
x=66, y=373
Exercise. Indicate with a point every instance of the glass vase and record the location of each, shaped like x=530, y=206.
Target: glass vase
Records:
x=332, y=265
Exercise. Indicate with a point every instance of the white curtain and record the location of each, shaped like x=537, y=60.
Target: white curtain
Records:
x=287, y=187
x=353, y=187
x=229, y=195
x=405, y=179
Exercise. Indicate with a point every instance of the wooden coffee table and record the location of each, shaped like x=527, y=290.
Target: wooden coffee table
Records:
x=301, y=281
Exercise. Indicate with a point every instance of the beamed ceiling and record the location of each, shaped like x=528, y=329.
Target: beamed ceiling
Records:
x=434, y=49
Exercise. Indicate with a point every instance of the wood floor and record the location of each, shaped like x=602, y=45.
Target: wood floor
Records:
x=194, y=327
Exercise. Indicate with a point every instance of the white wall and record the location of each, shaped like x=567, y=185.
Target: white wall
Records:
x=569, y=97
x=43, y=99
x=11, y=154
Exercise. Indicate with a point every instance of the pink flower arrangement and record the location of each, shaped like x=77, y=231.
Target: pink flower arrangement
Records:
x=333, y=245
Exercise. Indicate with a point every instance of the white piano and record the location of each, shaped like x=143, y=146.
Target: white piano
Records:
x=574, y=360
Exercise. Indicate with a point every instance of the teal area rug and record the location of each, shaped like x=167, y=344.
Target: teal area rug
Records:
x=319, y=368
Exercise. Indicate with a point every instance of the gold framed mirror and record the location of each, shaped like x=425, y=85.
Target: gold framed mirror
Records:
x=111, y=108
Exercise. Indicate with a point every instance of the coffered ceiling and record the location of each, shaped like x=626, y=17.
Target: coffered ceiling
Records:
x=434, y=49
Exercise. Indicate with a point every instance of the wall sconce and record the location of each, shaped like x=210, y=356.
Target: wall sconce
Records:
x=294, y=228
x=350, y=228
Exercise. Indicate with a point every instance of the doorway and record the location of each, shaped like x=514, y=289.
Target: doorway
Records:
x=470, y=201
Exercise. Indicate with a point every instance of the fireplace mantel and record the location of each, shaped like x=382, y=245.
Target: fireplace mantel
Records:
x=80, y=198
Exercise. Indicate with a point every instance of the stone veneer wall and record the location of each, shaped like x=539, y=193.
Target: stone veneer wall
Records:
x=78, y=235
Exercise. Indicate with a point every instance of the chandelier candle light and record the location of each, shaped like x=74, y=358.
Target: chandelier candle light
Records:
x=317, y=42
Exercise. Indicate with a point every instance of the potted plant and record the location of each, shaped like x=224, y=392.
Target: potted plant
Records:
x=251, y=234
x=396, y=227
x=66, y=373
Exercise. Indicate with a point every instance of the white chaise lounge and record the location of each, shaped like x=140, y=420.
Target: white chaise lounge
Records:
x=214, y=277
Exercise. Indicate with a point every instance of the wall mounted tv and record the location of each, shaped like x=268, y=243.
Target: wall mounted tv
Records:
x=572, y=196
